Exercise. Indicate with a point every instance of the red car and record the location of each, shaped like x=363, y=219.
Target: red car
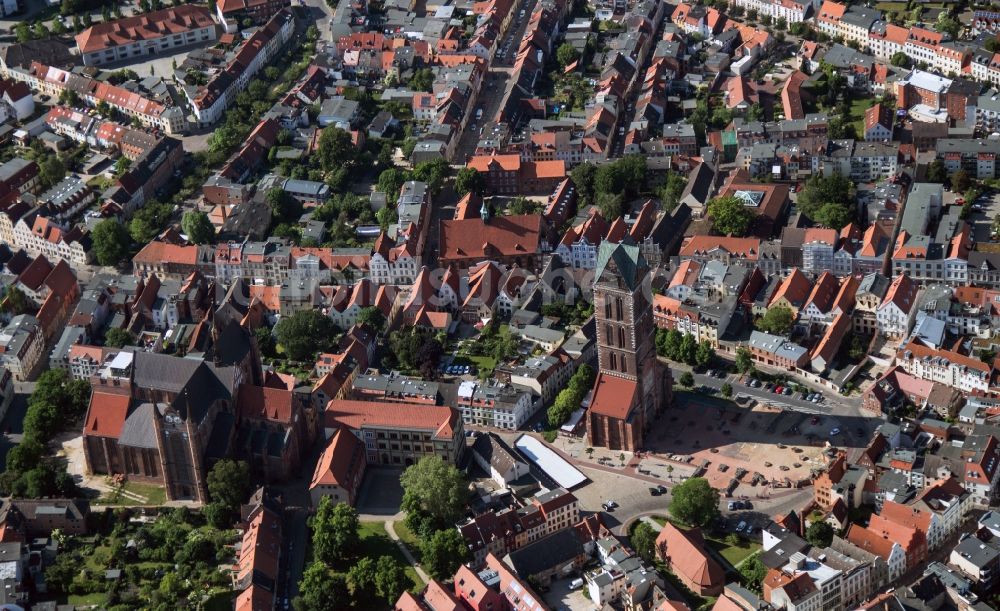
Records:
x=778, y=390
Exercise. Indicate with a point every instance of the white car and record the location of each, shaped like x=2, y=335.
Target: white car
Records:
x=834, y=432
x=741, y=526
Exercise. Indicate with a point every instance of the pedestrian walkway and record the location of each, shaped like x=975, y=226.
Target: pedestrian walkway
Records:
x=390, y=528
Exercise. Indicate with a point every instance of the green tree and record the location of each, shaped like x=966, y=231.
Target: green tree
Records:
x=583, y=177
x=833, y=215
x=960, y=181
x=335, y=149
x=443, y=553
x=777, y=320
x=229, y=484
x=687, y=379
x=321, y=590
x=57, y=402
x=946, y=24
x=361, y=576
x=16, y=302
x=609, y=178
x=422, y=80
x=644, y=541
x=744, y=360
x=469, y=180
x=116, y=337
x=900, y=60
x=820, y=190
x=695, y=502
x=390, y=579
x=110, y=242
x=433, y=173
x=704, y=355
x=819, y=534
x=390, y=181
x=753, y=570
x=936, y=172
x=730, y=216
x=611, y=205
x=672, y=190
x=335, y=531
x=727, y=390
x=434, y=494
x=688, y=350
x=566, y=54
x=198, y=228
x=51, y=171
x=372, y=317
x=22, y=31
x=305, y=333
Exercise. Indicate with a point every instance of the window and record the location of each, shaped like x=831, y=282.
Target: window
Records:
x=619, y=309
x=614, y=361
x=607, y=309
x=621, y=337
x=609, y=333
x=624, y=364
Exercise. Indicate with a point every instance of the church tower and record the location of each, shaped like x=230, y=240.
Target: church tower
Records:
x=632, y=386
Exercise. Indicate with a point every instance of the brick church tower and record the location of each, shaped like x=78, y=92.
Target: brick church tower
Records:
x=632, y=385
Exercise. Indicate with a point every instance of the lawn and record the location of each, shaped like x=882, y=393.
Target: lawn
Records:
x=482, y=363
x=84, y=600
x=408, y=537
x=857, y=116
x=149, y=493
x=886, y=7
x=735, y=554
x=375, y=543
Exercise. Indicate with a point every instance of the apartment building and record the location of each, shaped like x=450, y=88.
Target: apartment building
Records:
x=945, y=367
x=146, y=34
x=494, y=404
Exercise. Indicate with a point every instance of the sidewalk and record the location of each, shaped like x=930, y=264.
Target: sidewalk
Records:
x=390, y=528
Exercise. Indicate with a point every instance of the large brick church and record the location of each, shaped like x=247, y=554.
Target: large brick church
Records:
x=632, y=385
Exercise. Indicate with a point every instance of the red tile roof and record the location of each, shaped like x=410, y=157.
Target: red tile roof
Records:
x=338, y=465
x=613, y=396
x=148, y=26
x=442, y=421
x=161, y=252
x=260, y=402
x=511, y=236
x=688, y=557
x=106, y=415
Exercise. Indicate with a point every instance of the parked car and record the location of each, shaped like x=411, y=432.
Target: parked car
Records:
x=834, y=432
x=741, y=526
x=732, y=505
x=654, y=491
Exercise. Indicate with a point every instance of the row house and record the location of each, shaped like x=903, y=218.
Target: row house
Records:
x=144, y=179
x=976, y=156
x=895, y=315
x=887, y=39
x=504, y=530
x=544, y=375
x=945, y=367
x=852, y=23
x=494, y=404
x=232, y=184
x=789, y=10
x=208, y=102
x=150, y=112
x=53, y=240
x=22, y=346
x=870, y=294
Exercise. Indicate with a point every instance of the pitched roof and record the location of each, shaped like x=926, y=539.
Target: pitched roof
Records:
x=687, y=554
x=441, y=420
x=148, y=26
x=265, y=402
x=748, y=248
x=516, y=235
x=106, y=415
x=795, y=289
x=161, y=252
x=613, y=396
x=340, y=461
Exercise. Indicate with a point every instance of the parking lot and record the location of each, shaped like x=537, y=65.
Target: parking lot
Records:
x=561, y=597
x=981, y=221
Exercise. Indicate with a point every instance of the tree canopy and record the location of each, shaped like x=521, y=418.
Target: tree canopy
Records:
x=566, y=54
x=820, y=534
x=695, y=502
x=444, y=552
x=197, y=227
x=434, y=494
x=110, y=242
x=335, y=531
x=777, y=320
x=730, y=216
x=305, y=333
x=469, y=180
x=569, y=399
